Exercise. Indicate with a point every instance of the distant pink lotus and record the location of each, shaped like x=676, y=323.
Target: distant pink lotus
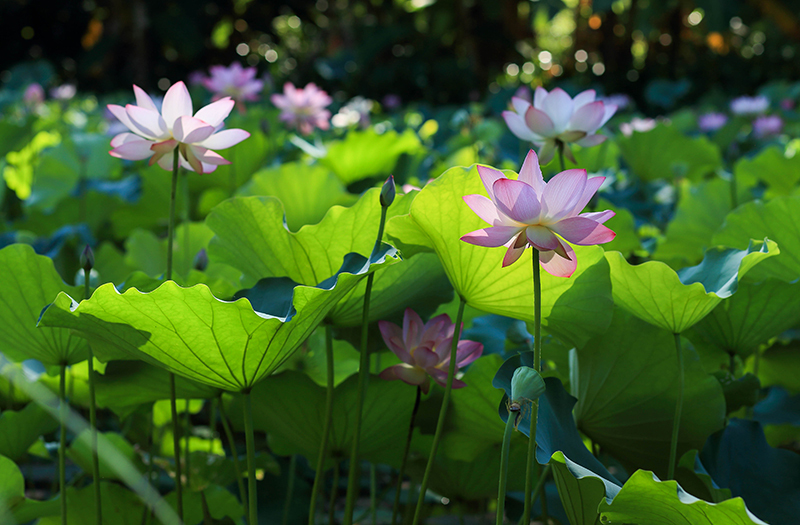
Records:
x=156, y=135
x=424, y=350
x=234, y=81
x=556, y=117
x=304, y=108
x=531, y=212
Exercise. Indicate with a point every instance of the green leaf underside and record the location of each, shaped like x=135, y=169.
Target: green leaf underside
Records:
x=574, y=308
x=190, y=332
x=645, y=499
x=675, y=301
x=626, y=382
x=779, y=220
x=30, y=282
x=291, y=408
x=580, y=490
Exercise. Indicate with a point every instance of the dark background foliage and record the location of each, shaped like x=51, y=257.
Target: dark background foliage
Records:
x=439, y=51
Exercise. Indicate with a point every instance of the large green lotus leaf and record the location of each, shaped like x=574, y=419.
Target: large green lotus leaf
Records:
x=753, y=315
x=290, y=407
x=120, y=506
x=19, y=430
x=12, y=488
x=148, y=253
x=30, y=282
x=365, y=154
x=645, y=499
x=666, y=153
x=221, y=504
x=250, y=236
x=740, y=459
x=779, y=220
x=573, y=309
x=772, y=167
x=307, y=191
x=701, y=210
x=674, y=300
x=626, y=382
x=151, y=211
x=127, y=384
x=190, y=332
x=580, y=490
x=692, y=476
x=80, y=452
x=626, y=240
x=780, y=365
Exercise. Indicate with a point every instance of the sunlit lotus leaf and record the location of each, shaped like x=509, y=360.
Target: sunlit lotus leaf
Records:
x=773, y=167
x=779, y=220
x=251, y=236
x=627, y=241
x=30, y=282
x=290, y=407
x=754, y=314
x=573, y=309
x=307, y=191
x=365, y=154
x=645, y=499
x=190, y=332
x=674, y=300
x=626, y=382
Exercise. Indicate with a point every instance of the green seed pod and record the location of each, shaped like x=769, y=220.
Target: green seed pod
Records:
x=526, y=384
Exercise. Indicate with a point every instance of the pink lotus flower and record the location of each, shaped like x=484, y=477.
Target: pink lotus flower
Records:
x=303, y=109
x=529, y=211
x=156, y=134
x=235, y=81
x=425, y=350
x=711, y=121
x=34, y=94
x=555, y=117
x=767, y=125
x=749, y=105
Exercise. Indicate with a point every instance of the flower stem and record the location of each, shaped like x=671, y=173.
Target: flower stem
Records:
x=62, y=444
x=323, y=448
x=676, y=423
x=501, y=489
x=98, y=506
x=232, y=444
x=539, y=489
x=532, y=464
x=187, y=433
x=401, y=474
x=734, y=196
x=442, y=412
x=363, y=377
x=289, y=489
x=252, y=498
x=176, y=444
x=171, y=226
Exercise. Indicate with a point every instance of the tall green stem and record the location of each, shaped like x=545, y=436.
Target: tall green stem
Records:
x=401, y=474
x=501, y=489
x=326, y=427
x=176, y=444
x=532, y=464
x=187, y=256
x=236, y=467
x=676, y=423
x=287, y=504
x=62, y=443
x=187, y=434
x=734, y=196
x=171, y=225
x=363, y=377
x=98, y=506
x=252, y=498
x=437, y=436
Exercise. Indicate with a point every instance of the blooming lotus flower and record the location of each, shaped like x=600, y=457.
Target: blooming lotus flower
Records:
x=767, y=125
x=33, y=95
x=156, y=134
x=529, y=211
x=637, y=124
x=749, y=105
x=711, y=121
x=303, y=109
x=556, y=118
x=235, y=81
x=424, y=350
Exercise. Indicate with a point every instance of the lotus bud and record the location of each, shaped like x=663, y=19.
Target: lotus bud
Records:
x=87, y=259
x=201, y=260
x=388, y=192
x=526, y=384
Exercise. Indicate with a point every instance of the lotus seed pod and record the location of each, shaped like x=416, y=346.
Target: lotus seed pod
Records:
x=526, y=383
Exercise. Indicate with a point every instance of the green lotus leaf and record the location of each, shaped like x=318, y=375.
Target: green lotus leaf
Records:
x=290, y=407
x=120, y=506
x=188, y=331
x=221, y=504
x=626, y=382
x=780, y=365
x=645, y=499
x=691, y=475
x=626, y=241
x=675, y=301
x=19, y=430
x=366, y=154
x=152, y=209
x=251, y=236
x=772, y=167
x=80, y=452
x=573, y=309
x=779, y=220
x=148, y=253
x=580, y=490
x=666, y=153
x=753, y=315
x=12, y=487
x=30, y=282
x=307, y=191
